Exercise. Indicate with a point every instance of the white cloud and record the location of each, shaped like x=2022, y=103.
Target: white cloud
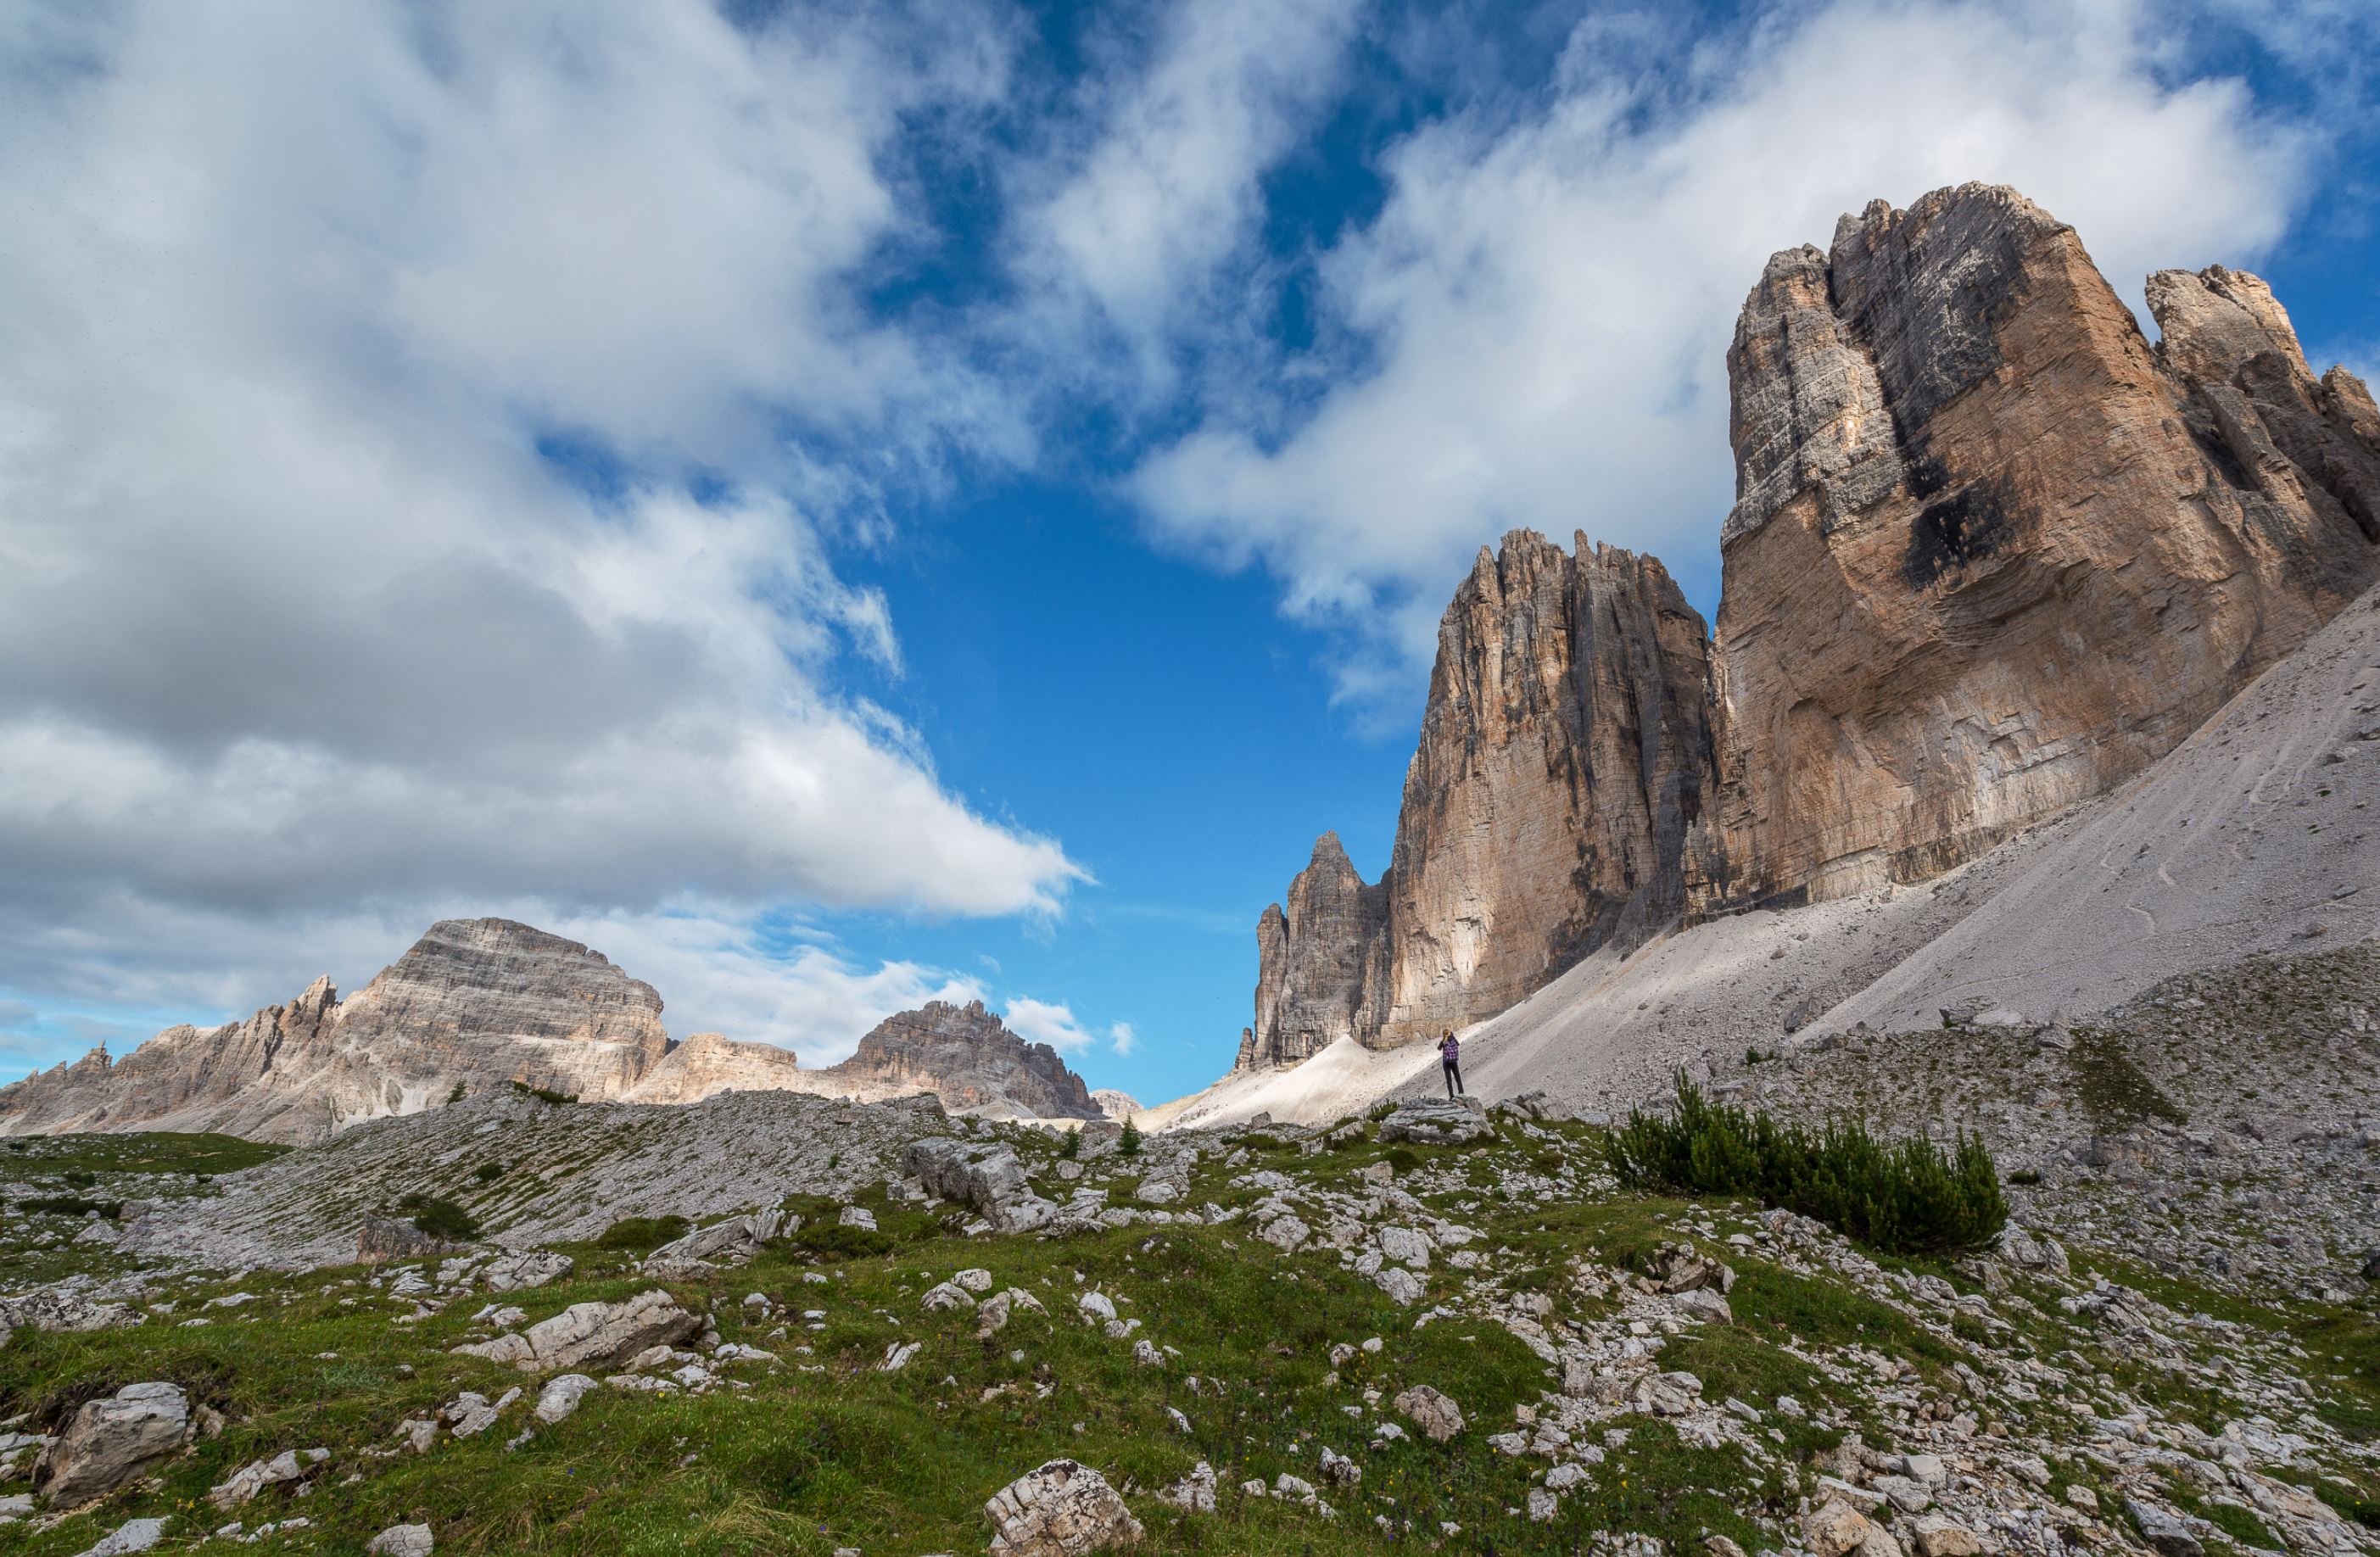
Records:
x=1165, y=188
x=300, y=637
x=1123, y=1039
x=1042, y=1021
x=1544, y=302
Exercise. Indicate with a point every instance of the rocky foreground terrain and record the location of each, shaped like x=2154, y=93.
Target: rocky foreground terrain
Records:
x=1436, y=1330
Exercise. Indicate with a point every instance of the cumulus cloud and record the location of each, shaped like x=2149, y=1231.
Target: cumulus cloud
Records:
x=300, y=614
x=1043, y=1021
x=1538, y=316
x=1122, y=1038
x=1133, y=217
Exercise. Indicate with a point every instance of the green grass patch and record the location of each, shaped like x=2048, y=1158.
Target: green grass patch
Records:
x=641, y=1233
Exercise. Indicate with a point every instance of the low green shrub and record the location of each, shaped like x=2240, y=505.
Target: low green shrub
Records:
x=644, y=1232
x=81, y=1178
x=1404, y=1159
x=1070, y=1145
x=487, y=1172
x=1903, y=1196
x=830, y=1240
x=543, y=1094
x=1128, y=1144
x=72, y=1205
x=2025, y=1176
x=442, y=1219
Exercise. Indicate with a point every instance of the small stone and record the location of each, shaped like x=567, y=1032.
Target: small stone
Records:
x=402, y=1540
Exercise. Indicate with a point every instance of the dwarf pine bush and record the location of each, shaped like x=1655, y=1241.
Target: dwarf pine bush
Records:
x=1903, y=1196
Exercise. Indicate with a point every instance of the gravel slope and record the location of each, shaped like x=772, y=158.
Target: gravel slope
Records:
x=2228, y=849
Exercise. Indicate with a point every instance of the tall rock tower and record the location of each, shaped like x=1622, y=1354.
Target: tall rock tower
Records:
x=1563, y=756
x=1992, y=552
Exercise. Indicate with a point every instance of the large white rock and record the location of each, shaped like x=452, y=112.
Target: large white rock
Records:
x=593, y=1334
x=1060, y=1510
x=1435, y=1413
x=108, y=1442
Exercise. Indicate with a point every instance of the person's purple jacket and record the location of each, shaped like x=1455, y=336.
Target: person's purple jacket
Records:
x=1449, y=1050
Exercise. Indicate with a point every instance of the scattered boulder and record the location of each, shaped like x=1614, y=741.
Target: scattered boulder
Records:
x=402, y=1540
x=290, y=1465
x=133, y=1534
x=1434, y=1413
x=593, y=1334
x=1405, y=1246
x=1060, y=1510
x=1399, y=1284
x=1702, y=1303
x=108, y=1442
x=2162, y=1530
x=1835, y=1528
x=1937, y=1535
x=2026, y=1252
x=1435, y=1122
x=518, y=1272
x=382, y=1239
x=987, y=1176
x=53, y=1310
x=732, y=1242
x=560, y=1396
x=1195, y=1493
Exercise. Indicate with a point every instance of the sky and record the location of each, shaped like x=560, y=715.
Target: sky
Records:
x=842, y=505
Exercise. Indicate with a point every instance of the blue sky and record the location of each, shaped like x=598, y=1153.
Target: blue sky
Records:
x=836, y=505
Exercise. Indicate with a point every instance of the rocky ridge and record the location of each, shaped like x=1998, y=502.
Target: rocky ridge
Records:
x=482, y=1005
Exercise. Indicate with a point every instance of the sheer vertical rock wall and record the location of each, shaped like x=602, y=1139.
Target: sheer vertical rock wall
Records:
x=1992, y=553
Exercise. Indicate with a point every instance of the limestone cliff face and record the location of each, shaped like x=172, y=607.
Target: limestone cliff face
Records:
x=707, y=1064
x=1563, y=755
x=1318, y=962
x=1992, y=552
x=965, y=1056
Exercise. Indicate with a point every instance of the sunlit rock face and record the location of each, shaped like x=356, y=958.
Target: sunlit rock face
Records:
x=1993, y=552
x=1563, y=755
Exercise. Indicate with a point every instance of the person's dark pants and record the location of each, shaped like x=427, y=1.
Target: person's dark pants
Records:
x=1454, y=1078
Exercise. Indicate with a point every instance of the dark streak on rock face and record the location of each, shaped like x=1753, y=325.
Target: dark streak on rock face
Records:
x=1969, y=526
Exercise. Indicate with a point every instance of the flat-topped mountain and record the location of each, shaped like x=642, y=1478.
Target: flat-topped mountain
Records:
x=483, y=1003
x=1992, y=554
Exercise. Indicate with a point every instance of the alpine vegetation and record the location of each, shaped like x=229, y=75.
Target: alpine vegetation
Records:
x=1901, y=1197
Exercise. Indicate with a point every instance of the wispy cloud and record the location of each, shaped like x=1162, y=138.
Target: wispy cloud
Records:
x=1535, y=321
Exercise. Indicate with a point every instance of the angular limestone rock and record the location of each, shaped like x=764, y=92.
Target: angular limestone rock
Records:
x=1435, y=1414
x=1060, y=1510
x=108, y=1442
x=593, y=1334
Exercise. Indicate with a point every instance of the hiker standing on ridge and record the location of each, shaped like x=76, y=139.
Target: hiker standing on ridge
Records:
x=1449, y=1056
